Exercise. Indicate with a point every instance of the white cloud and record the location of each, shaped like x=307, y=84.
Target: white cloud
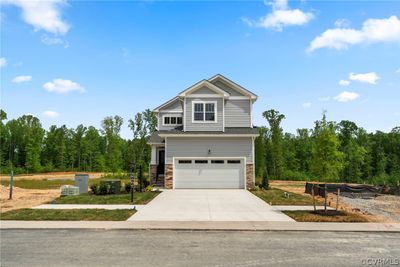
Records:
x=372, y=31
x=280, y=17
x=3, y=62
x=306, y=105
x=370, y=77
x=341, y=23
x=42, y=15
x=324, y=98
x=346, y=96
x=344, y=82
x=48, y=40
x=51, y=114
x=63, y=86
x=22, y=78
x=398, y=70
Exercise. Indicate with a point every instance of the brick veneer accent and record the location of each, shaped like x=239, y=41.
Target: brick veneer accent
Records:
x=153, y=172
x=249, y=176
x=169, y=172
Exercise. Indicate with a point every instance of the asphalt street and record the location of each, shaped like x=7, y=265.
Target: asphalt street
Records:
x=196, y=248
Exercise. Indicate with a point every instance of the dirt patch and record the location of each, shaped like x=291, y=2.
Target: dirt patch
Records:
x=381, y=209
x=51, y=175
x=386, y=208
x=25, y=198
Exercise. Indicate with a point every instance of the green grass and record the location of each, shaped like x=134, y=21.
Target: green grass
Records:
x=332, y=216
x=138, y=198
x=50, y=184
x=67, y=215
x=276, y=196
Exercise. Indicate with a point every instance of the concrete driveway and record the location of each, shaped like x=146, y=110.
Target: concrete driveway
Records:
x=208, y=205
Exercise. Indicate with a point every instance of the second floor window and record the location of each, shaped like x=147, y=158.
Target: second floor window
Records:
x=171, y=120
x=204, y=112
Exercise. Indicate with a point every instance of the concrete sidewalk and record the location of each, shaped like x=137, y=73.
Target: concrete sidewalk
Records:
x=88, y=206
x=205, y=226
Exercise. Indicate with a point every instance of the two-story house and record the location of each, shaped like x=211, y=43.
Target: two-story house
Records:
x=205, y=137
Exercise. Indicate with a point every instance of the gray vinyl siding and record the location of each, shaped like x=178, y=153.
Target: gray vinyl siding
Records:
x=160, y=120
x=176, y=106
x=190, y=126
x=237, y=113
x=227, y=88
x=203, y=91
x=199, y=146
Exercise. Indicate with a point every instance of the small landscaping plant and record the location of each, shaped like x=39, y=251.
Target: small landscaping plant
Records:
x=94, y=188
x=264, y=180
x=103, y=189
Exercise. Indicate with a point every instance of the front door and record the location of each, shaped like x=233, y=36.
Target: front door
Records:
x=161, y=162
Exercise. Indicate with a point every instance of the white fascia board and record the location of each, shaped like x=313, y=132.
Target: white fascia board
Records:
x=234, y=86
x=157, y=109
x=206, y=84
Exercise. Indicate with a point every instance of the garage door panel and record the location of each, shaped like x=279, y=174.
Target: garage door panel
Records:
x=210, y=175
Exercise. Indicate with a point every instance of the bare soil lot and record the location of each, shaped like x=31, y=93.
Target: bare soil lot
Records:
x=28, y=198
x=380, y=209
x=25, y=198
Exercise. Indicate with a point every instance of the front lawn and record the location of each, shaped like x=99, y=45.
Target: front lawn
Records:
x=138, y=198
x=319, y=216
x=276, y=196
x=67, y=215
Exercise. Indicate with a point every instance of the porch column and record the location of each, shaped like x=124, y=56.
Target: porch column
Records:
x=153, y=164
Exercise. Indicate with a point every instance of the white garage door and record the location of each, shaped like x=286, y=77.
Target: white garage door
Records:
x=209, y=173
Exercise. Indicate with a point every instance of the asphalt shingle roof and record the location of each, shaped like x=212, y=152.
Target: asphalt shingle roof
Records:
x=155, y=137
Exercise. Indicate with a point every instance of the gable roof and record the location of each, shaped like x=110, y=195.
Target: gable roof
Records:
x=234, y=86
x=208, y=84
x=157, y=109
x=199, y=85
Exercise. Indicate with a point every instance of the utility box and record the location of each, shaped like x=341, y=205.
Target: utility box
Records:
x=82, y=181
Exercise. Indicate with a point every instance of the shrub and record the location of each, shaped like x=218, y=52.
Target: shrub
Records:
x=94, y=188
x=103, y=189
x=264, y=180
x=128, y=187
x=148, y=188
x=256, y=188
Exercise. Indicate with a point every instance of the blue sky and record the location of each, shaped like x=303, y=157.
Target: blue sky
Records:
x=76, y=62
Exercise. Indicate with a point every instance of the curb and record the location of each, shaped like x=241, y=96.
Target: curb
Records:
x=201, y=226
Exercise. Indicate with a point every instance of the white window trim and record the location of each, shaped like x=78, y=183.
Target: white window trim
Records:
x=204, y=110
x=175, y=116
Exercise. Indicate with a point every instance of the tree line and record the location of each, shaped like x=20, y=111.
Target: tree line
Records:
x=27, y=148
x=331, y=151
